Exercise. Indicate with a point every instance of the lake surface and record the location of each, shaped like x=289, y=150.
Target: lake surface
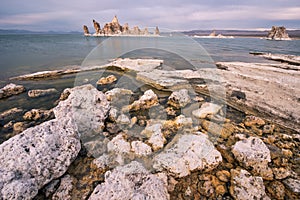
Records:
x=22, y=54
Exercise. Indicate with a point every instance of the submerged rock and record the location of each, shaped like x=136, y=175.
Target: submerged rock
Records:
x=131, y=181
x=11, y=89
x=107, y=80
x=41, y=93
x=189, y=153
x=244, y=186
x=253, y=153
x=10, y=114
x=38, y=114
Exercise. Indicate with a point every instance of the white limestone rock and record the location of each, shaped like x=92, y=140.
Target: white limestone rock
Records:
x=244, y=186
x=179, y=99
x=131, y=181
x=139, y=148
x=189, y=153
x=206, y=109
x=11, y=89
x=117, y=94
x=155, y=135
x=253, y=153
x=118, y=145
x=38, y=155
x=146, y=101
x=87, y=106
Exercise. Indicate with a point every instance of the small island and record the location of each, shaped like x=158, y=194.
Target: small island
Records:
x=278, y=33
x=114, y=28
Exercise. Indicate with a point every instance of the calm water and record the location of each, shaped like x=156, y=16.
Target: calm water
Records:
x=22, y=54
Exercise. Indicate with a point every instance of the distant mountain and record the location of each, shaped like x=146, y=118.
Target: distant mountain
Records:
x=17, y=32
x=241, y=33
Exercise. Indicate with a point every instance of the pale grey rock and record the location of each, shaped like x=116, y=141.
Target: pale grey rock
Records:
x=123, y=120
x=292, y=184
x=11, y=89
x=146, y=101
x=87, y=106
x=33, y=158
x=155, y=135
x=119, y=145
x=253, y=153
x=131, y=181
x=244, y=186
x=189, y=153
x=41, y=93
x=137, y=65
x=207, y=109
x=139, y=148
x=117, y=94
x=64, y=191
x=180, y=98
x=113, y=114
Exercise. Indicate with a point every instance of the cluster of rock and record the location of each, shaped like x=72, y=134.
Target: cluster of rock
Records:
x=278, y=33
x=147, y=146
x=114, y=28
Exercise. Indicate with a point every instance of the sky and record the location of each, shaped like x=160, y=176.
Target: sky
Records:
x=67, y=15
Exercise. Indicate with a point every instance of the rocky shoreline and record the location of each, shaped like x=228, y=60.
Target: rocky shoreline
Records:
x=174, y=138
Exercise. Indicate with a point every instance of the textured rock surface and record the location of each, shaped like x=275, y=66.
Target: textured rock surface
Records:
x=131, y=181
x=140, y=149
x=10, y=114
x=38, y=114
x=40, y=93
x=206, y=109
x=155, y=135
x=189, y=153
x=44, y=153
x=146, y=101
x=278, y=33
x=64, y=191
x=244, y=186
x=107, y=80
x=180, y=98
x=253, y=153
x=87, y=106
x=11, y=89
x=293, y=185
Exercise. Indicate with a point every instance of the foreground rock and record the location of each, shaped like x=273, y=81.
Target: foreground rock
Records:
x=131, y=181
x=244, y=186
x=189, y=153
x=11, y=89
x=40, y=154
x=253, y=153
x=41, y=93
x=44, y=153
x=179, y=99
x=278, y=33
x=106, y=80
x=291, y=59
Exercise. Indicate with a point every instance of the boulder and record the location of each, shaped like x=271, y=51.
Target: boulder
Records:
x=244, y=186
x=11, y=89
x=64, y=191
x=131, y=181
x=38, y=155
x=140, y=148
x=155, y=135
x=254, y=154
x=179, y=99
x=189, y=153
x=207, y=109
x=41, y=93
x=87, y=106
x=117, y=94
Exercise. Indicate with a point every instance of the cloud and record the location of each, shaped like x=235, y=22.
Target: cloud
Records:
x=173, y=14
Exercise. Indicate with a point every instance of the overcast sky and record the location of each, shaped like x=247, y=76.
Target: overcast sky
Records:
x=67, y=15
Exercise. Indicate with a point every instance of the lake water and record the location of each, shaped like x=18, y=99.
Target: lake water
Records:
x=22, y=54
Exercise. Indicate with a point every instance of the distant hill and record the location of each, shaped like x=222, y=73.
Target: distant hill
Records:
x=17, y=32
x=241, y=33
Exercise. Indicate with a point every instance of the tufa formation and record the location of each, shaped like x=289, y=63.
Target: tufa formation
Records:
x=278, y=33
x=114, y=28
